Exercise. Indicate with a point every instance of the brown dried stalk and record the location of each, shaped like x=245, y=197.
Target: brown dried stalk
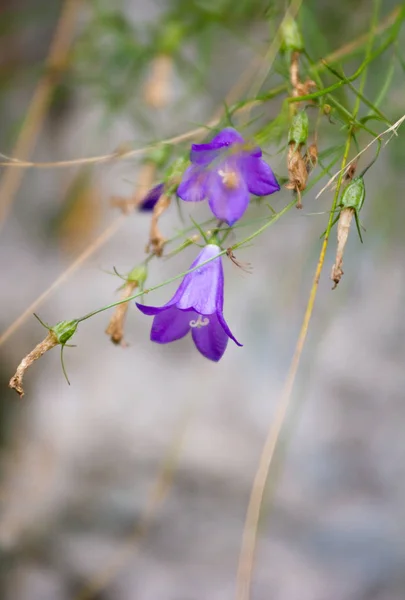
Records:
x=300, y=88
x=56, y=63
x=156, y=239
x=115, y=327
x=16, y=382
x=157, y=89
x=345, y=219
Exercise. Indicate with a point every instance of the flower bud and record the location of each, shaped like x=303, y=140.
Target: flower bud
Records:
x=138, y=274
x=291, y=35
x=353, y=196
x=64, y=330
x=298, y=133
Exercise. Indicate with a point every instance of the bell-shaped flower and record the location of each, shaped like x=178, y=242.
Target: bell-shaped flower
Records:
x=197, y=306
x=225, y=172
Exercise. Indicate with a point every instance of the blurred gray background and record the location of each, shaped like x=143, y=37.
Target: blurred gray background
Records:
x=80, y=464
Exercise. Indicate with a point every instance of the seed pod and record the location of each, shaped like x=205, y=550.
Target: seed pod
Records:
x=353, y=196
x=351, y=203
x=59, y=334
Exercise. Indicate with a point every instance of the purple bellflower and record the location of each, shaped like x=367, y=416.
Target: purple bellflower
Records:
x=197, y=306
x=225, y=172
x=148, y=203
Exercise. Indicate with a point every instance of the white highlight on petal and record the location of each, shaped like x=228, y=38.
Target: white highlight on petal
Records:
x=200, y=322
x=230, y=179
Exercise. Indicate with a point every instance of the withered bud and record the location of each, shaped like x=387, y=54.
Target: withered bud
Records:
x=351, y=171
x=297, y=171
x=303, y=88
x=115, y=329
x=345, y=220
x=156, y=239
x=157, y=90
x=59, y=334
x=311, y=157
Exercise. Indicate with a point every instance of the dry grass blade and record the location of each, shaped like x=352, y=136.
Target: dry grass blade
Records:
x=55, y=64
x=95, y=245
x=246, y=560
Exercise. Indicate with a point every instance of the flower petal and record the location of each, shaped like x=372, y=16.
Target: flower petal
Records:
x=204, y=154
x=201, y=289
x=148, y=202
x=170, y=324
x=226, y=329
x=193, y=185
x=227, y=203
x=211, y=340
x=258, y=176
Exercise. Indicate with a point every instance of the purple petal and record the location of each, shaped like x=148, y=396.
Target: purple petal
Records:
x=193, y=185
x=227, y=203
x=203, y=154
x=150, y=310
x=203, y=288
x=148, y=203
x=258, y=176
x=169, y=325
x=225, y=327
x=211, y=340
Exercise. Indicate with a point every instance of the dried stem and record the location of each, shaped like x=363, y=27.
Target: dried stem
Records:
x=16, y=382
x=157, y=89
x=56, y=63
x=156, y=239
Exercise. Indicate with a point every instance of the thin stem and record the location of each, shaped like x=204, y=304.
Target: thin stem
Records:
x=247, y=554
x=180, y=275
x=345, y=51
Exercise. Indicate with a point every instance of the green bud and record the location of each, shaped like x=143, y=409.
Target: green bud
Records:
x=159, y=155
x=353, y=196
x=171, y=37
x=139, y=274
x=298, y=133
x=291, y=36
x=64, y=330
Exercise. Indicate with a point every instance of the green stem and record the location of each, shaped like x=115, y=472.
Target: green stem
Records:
x=176, y=277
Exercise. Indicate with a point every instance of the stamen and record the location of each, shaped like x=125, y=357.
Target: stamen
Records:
x=200, y=322
x=230, y=179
